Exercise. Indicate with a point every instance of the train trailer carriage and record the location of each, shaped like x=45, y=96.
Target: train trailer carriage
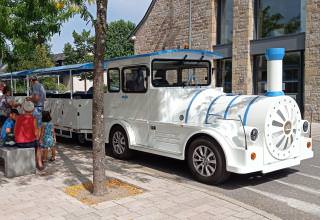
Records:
x=165, y=103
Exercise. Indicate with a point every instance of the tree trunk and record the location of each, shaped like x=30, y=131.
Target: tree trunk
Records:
x=98, y=136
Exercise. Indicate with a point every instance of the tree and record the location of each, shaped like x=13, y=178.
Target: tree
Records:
x=39, y=58
x=27, y=23
x=83, y=48
x=118, y=43
x=98, y=136
x=99, y=176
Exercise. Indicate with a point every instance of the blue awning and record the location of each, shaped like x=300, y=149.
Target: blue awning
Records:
x=17, y=74
x=57, y=70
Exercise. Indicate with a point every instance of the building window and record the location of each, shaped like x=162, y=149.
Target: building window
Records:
x=292, y=75
x=277, y=19
x=225, y=21
x=224, y=75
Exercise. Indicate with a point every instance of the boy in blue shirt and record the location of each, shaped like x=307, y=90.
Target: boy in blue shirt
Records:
x=8, y=126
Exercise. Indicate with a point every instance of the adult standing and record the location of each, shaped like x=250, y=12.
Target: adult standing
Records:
x=38, y=97
x=5, y=104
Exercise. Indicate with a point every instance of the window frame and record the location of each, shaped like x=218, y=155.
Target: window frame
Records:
x=108, y=80
x=130, y=67
x=219, y=20
x=257, y=8
x=209, y=73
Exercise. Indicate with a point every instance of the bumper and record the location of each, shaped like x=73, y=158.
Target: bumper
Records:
x=242, y=163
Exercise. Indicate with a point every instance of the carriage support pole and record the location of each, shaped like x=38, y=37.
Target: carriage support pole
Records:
x=71, y=84
x=28, y=86
x=11, y=90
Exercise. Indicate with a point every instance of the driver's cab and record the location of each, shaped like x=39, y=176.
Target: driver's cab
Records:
x=145, y=90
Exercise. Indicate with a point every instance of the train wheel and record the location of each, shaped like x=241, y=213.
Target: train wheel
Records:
x=81, y=138
x=119, y=143
x=207, y=162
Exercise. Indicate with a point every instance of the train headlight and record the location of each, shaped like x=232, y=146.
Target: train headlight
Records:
x=305, y=126
x=254, y=134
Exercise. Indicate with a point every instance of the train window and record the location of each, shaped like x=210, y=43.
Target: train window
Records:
x=114, y=80
x=180, y=73
x=134, y=79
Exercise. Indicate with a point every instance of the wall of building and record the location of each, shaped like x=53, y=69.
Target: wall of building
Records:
x=167, y=26
x=243, y=24
x=312, y=61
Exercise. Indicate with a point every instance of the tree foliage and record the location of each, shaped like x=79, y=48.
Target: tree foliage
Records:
x=118, y=43
x=27, y=23
x=83, y=48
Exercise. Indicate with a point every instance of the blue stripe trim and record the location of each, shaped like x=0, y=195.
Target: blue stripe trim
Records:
x=275, y=54
x=245, y=117
x=210, y=106
x=192, y=100
x=229, y=106
x=274, y=94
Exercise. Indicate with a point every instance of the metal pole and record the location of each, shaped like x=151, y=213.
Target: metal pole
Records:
x=11, y=84
x=85, y=82
x=15, y=85
x=190, y=24
x=58, y=79
x=28, y=86
x=71, y=84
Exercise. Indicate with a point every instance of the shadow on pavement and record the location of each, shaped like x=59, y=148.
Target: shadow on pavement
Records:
x=178, y=171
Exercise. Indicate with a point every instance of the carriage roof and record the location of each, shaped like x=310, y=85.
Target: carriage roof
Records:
x=164, y=54
x=76, y=69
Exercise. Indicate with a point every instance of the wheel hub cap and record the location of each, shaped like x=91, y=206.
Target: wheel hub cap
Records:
x=204, y=161
x=118, y=142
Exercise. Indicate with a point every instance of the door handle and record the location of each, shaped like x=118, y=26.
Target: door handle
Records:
x=153, y=127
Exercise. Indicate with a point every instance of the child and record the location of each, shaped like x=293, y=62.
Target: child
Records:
x=26, y=131
x=8, y=127
x=47, y=137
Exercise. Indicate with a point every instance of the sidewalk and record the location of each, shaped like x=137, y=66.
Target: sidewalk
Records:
x=41, y=196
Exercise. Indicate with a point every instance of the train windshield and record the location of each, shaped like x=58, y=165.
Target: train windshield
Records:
x=180, y=73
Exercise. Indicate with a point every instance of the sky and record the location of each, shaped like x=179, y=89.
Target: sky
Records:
x=131, y=10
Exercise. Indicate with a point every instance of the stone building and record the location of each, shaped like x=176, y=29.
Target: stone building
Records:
x=241, y=30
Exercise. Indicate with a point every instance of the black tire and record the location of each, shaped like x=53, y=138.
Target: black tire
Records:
x=211, y=173
x=81, y=139
x=118, y=141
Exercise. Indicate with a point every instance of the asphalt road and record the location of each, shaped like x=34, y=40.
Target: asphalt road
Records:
x=292, y=193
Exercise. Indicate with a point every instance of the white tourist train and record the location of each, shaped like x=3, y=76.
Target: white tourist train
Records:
x=165, y=103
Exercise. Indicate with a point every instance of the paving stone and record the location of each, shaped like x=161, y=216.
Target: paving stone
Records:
x=42, y=197
x=244, y=215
